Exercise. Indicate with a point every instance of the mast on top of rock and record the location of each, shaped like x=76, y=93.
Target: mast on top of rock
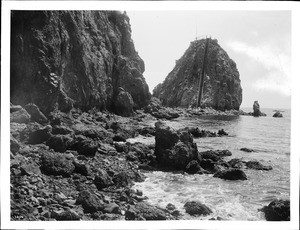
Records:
x=203, y=71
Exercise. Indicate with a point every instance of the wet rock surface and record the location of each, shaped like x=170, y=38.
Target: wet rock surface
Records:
x=277, y=210
x=195, y=208
x=277, y=114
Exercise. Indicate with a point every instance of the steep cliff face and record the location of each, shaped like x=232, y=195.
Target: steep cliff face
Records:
x=65, y=59
x=222, y=89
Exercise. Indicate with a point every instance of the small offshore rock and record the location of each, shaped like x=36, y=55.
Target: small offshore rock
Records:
x=247, y=150
x=277, y=210
x=221, y=132
x=258, y=166
x=231, y=174
x=193, y=167
x=195, y=208
x=278, y=114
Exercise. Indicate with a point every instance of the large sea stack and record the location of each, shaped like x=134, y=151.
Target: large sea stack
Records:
x=222, y=89
x=83, y=59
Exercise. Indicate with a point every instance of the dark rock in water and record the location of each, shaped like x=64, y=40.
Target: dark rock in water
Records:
x=195, y=208
x=231, y=174
x=214, y=155
x=85, y=146
x=222, y=89
x=102, y=179
x=36, y=114
x=256, y=110
x=278, y=114
x=196, y=132
x=257, y=165
x=60, y=143
x=247, y=150
x=20, y=116
x=173, y=149
x=236, y=163
x=209, y=165
x=221, y=132
x=277, y=210
x=56, y=164
x=74, y=59
x=90, y=202
x=143, y=210
x=170, y=207
x=193, y=167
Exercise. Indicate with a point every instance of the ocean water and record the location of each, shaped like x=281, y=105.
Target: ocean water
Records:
x=230, y=200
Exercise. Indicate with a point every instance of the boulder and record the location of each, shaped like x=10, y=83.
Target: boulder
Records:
x=81, y=168
x=38, y=135
x=277, y=210
x=60, y=143
x=195, y=208
x=144, y=211
x=247, y=150
x=56, y=164
x=36, y=114
x=174, y=150
x=90, y=202
x=155, y=109
x=124, y=103
x=236, y=163
x=102, y=179
x=193, y=167
x=231, y=174
x=84, y=146
x=214, y=155
x=30, y=168
x=196, y=132
x=121, y=179
x=258, y=166
x=222, y=132
x=65, y=215
x=111, y=208
x=20, y=116
x=277, y=114
x=14, y=144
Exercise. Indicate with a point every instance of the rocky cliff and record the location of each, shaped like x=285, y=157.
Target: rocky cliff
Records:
x=222, y=89
x=83, y=59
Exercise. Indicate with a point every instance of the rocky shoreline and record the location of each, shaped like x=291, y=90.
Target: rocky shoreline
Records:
x=79, y=166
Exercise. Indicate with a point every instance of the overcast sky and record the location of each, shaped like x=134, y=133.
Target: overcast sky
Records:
x=258, y=41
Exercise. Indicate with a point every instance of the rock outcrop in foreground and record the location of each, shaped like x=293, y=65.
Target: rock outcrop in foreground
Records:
x=222, y=89
x=82, y=59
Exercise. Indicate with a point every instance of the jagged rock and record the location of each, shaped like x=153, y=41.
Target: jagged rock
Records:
x=14, y=145
x=278, y=114
x=74, y=59
x=209, y=165
x=81, y=168
x=102, y=179
x=30, y=168
x=222, y=89
x=156, y=110
x=214, y=155
x=121, y=179
x=20, y=116
x=193, y=167
x=90, y=202
x=38, y=134
x=196, y=132
x=65, y=215
x=231, y=174
x=247, y=150
x=62, y=130
x=221, y=132
x=277, y=210
x=84, y=146
x=236, y=163
x=111, y=208
x=143, y=210
x=173, y=149
x=124, y=103
x=56, y=164
x=258, y=166
x=196, y=208
x=256, y=110
x=60, y=143
x=36, y=114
